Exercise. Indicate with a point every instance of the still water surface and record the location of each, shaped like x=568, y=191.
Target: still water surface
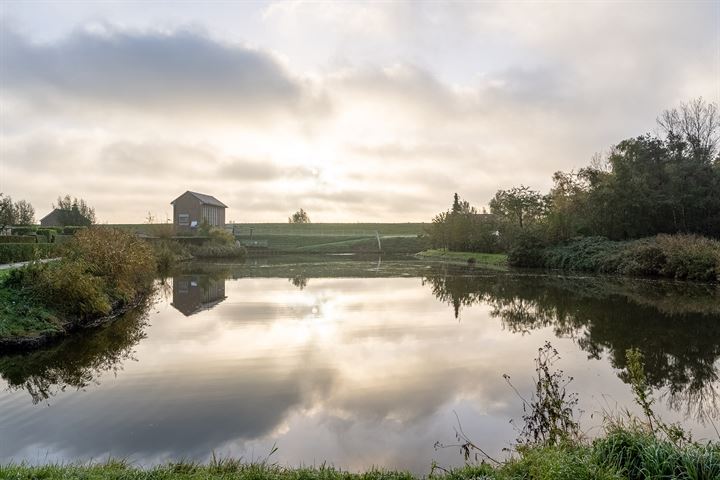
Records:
x=358, y=363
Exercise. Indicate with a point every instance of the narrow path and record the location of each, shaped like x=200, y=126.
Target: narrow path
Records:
x=8, y=266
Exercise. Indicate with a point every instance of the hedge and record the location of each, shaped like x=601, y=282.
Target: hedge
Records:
x=18, y=239
x=23, y=252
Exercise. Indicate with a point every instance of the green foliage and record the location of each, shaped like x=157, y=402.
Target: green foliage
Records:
x=211, y=250
x=527, y=251
x=24, y=230
x=684, y=257
x=220, y=236
x=47, y=233
x=463, y=229
x=72, y=230
x=548, y=417
x=638, y=455
x=519, y=206
x=101, y=269
x=68, y=288
x=75, y=211
x=18, y=239
x=24, y=252
x=18, y=213
x=300, y=216
x=124, y=262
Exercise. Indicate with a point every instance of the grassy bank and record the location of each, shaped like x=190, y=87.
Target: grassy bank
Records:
x=682, y=257
x=302, y=243
x=102, y=272
x=494, y=259
x=622, y=454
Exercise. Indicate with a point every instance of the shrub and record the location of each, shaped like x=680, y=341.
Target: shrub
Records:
x=125, y=262
x=72, y=230
x=23, y=230
x=217, y=251
x=62, y=239
x=18, y=239
x=23, y=252
x=69, y=288
x=220, y=236
x=527, y=251
x=47, y=233
x=688, y=257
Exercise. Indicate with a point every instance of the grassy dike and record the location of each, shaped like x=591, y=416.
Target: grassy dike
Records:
x=103, y=272
x=486, y=259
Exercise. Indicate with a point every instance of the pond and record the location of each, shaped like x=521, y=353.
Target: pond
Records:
x=353, y=362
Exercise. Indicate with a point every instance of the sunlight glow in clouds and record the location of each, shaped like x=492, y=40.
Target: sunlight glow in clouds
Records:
x=352, y=111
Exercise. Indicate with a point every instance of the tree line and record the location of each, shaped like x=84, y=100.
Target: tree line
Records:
x=662, y=182
x=15, y=213
x=74, y=212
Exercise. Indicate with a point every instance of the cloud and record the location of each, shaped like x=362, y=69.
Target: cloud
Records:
x=182, y=71
x=358, y=111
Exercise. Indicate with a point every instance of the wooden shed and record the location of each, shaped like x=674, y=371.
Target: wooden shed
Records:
x=192, y=209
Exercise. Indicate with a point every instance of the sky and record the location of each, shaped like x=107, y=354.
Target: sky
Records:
x=353, y=111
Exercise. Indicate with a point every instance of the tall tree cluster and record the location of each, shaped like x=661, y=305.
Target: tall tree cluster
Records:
x=15, y=213
x=76, y=211
x=663, y=183
x=666, y=182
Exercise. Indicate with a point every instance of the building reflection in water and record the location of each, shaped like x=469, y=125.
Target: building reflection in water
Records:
x=195, y=293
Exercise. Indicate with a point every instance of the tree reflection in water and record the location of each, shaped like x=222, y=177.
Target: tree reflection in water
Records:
x=78, y=361
x=676, y=325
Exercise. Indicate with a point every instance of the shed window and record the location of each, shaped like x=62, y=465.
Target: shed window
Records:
x=183, y=219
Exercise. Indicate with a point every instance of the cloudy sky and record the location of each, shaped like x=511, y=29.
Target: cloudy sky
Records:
x=354, y=111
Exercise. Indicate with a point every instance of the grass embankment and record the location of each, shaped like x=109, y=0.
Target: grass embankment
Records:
x=493, y=259
x=102, y=271
x=622, y=454
x=302, y=243
x=682, y=257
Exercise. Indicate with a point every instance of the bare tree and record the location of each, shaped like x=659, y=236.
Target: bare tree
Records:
x=696, y=122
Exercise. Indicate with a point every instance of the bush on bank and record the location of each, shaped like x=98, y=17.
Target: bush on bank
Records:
x=101, y=270
x=682, y=257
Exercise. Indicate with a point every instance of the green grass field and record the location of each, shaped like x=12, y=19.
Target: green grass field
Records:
x=496, y=259
x=334, y=229
x=314, y=229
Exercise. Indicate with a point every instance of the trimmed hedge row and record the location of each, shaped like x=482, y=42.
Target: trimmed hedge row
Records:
x=24, y=252
x=32, y=230
x=18, y=239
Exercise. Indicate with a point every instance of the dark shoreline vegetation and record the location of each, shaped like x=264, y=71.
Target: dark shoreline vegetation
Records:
x=650, y=207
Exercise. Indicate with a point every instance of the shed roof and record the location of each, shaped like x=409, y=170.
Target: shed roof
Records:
x=204, y=199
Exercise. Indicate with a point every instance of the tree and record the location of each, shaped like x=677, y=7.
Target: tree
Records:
x=300, y=216
x=461, y=228
x=519, y=205
x=7, y=211
x=697, y=124
x=24, y=213
x=77, y=211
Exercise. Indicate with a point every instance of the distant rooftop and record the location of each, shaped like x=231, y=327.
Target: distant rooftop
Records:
x=205, y=199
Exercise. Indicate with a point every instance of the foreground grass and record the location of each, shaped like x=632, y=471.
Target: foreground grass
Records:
x=621, y=454
x=496, y=259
